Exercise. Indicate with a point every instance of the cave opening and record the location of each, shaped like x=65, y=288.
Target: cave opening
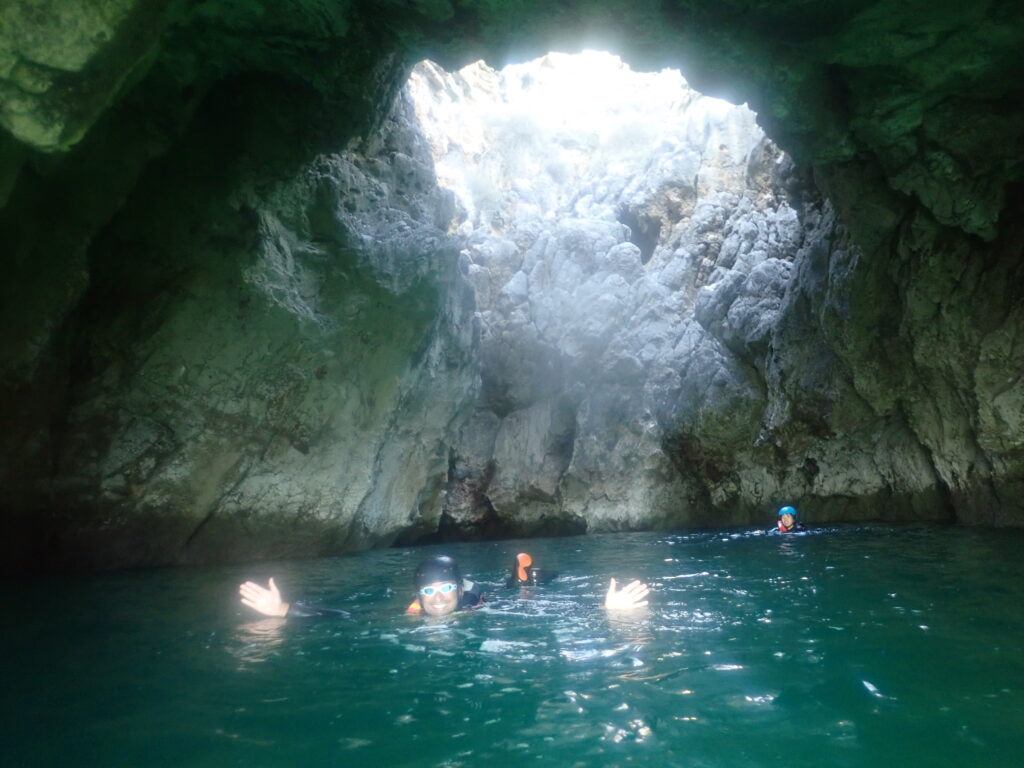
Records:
x=594, y=207
x=644, y=231
x=546, y=137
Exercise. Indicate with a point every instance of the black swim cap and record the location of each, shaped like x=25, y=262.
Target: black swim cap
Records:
x=438, y=568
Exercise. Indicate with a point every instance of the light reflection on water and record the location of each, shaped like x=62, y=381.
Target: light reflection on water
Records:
x=849, y=647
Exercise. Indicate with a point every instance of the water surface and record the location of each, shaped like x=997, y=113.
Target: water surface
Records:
x=861, y=646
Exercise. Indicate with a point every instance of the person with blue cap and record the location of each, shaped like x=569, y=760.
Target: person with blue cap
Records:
x=787, y=521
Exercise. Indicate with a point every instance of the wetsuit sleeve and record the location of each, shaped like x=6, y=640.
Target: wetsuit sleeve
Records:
x=471, y=597
x=301, y=610
x=542, y=576
x=537, y=576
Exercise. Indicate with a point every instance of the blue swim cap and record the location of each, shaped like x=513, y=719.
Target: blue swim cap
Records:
x=787, y=511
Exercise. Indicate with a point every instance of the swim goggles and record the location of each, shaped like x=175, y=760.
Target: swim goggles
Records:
x=444, y=589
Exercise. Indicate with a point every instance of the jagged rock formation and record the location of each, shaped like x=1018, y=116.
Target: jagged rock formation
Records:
x=630, y=372
x=173, y=173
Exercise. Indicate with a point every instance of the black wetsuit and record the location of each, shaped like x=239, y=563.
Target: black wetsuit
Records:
x=301, y=610
x=471, y=598
x=796, y=527
x=534, y=576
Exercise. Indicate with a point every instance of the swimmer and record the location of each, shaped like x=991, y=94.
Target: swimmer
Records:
x=788, y=522
x=440, y=585
x=441, y=591
x=525, y=574
x=441, y=588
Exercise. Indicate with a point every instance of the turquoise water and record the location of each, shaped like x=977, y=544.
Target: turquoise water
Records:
x=868, y=646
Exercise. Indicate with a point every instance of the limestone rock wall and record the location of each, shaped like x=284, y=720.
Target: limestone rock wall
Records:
x=276, y=372
x=171, y=171
x=642, y=310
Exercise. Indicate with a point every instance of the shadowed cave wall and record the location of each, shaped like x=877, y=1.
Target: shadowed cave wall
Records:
x=235, y=324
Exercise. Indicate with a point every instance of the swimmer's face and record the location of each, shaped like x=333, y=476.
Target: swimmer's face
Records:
x=442, y=600
x=788, y=520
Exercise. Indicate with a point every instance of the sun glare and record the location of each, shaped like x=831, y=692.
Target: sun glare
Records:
x=558, y=122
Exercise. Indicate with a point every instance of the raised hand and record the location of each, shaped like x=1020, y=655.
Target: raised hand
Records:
x=630, y=597
x=265, y=600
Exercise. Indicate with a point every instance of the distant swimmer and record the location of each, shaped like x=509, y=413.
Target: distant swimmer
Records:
x=788, y=522
x=524, y=573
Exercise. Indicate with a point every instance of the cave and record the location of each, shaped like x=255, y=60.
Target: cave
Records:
x=644, y=232
x=239, y=323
